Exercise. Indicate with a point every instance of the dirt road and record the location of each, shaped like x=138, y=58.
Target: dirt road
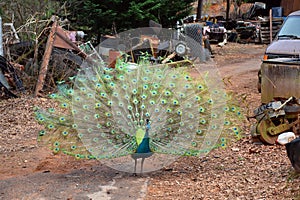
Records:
x=242, y=171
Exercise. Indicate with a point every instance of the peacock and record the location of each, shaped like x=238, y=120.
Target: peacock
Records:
x=143, y=113
x=133, y=112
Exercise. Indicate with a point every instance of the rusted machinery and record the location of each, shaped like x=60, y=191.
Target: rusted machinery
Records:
x=280, y=97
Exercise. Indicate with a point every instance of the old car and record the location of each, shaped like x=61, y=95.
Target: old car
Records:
x=286, y=43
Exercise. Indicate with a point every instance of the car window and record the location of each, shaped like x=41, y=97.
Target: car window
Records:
x=291, y=27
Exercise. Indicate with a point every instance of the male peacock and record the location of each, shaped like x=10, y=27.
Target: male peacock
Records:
x=108, y=112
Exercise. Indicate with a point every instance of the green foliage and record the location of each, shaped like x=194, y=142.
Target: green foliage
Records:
x=102, y=17
x=97, y=17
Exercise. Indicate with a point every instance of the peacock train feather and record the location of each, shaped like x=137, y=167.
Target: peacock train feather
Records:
x=155, y=111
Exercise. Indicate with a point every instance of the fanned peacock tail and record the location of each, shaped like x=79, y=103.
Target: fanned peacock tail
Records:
x=103, y=116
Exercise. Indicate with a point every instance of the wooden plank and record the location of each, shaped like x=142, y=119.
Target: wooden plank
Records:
x=46, y=58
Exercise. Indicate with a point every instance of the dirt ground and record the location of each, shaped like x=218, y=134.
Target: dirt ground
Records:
x=244, y=170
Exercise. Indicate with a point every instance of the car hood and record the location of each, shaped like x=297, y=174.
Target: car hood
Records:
x=290, y=47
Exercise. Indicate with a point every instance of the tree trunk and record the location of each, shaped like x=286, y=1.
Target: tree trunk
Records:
x=199, y=10
x=227, y=10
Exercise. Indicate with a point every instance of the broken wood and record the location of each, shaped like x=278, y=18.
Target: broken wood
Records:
x=46, y=58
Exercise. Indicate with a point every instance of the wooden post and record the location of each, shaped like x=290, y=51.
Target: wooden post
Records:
x=199, y=10
x=271, y=26
x=46, y=58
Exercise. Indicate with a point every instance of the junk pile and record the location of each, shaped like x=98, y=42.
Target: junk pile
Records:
x=36, y=67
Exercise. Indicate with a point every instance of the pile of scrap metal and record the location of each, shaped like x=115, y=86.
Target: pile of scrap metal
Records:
x=160, y=46
x=212, y=29
x=280, y=97
x=215, y=29
x=60, y=59
x=258, y=25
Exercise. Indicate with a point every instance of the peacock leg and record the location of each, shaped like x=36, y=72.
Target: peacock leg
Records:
x=142, y=165
x=135, y=163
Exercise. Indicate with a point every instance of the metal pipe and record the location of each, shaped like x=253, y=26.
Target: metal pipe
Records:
x=1, y=35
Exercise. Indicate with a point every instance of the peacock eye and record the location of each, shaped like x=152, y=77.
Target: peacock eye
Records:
x=210, y=101
x=194, y=144
x=90, y=95
x=167, y=93
x=134, y=91
x=107, y=77
x=226, y=123
x=50, y=126
x=200, y=87
x=85, y=107
x=98, y=105
x=53, y=96
x=169, y=110
x=201, y=109
x=163, y=101
x=135, y=101
x=112, y=84
x=115, y=94
x=187, y=86
x=64, y=105
x=179, y=112
x=203, y=121
x=77, y=99
x=42, y=133
x=62, y=119
x=214, y=126
x=172, y=85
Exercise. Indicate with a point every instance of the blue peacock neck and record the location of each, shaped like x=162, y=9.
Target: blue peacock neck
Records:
x=143, y=140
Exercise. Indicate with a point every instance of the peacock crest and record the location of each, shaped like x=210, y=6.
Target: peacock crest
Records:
x=119, y=115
